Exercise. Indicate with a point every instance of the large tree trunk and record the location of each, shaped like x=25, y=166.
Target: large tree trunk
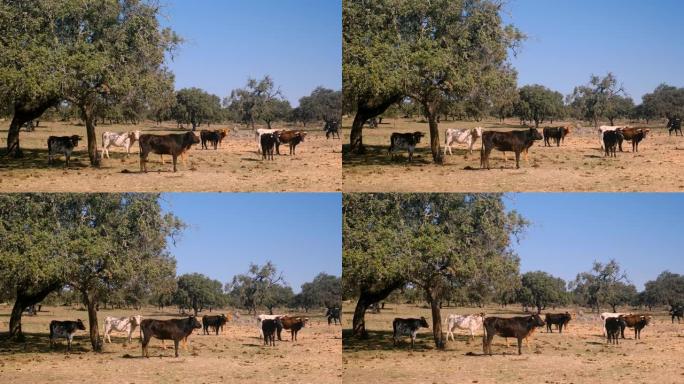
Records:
x=434, y=133
x=23, y=113
x=93, y=328
x=366, y=298
x=26, y=298
x=365, y=110
x=88, y=116
x=437, y=323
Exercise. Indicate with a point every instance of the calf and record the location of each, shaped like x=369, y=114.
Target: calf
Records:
x=121, y=324
x=516, y=141
x=638, y=322
x=62, y=144
x=293, y=324
x=174, y=329
x=635, y=135
x=470, y=322
x=213, y=137
x=677, y=312
x=64, y=329
x=269, y=328
x=674, y=124
x=123, y=139
x=217, y=322
x=613, y=325
x=556, y=133
x=172, y=144
x=399, y=141
x=407, y=327
x=333, y=314
x=610, y=142
x=519, y=327
x=559, y=319
x=290, y=137
x=462, y=136
x=268, y=142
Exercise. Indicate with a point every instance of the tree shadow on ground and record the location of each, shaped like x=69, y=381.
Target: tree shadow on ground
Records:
x=377, y=155
x=40, y=343
x=38, y=159
x=383, y=341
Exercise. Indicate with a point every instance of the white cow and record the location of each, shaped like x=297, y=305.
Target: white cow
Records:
x=124, y=139
x=470, y=322
x=605, y=128
x=462, y=136
x=263, y=317
x=121, y=324
x=261, y=131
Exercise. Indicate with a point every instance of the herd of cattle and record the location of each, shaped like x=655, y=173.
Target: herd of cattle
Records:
x=522, y=327
x=520, y=141
x=178, y=330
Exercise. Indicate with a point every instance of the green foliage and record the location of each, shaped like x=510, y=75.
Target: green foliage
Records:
x=667, y=288
x=196, y=291
x=604, y=284
x=324, y=291
x=665, y=101
x=322, y=105
x=195, y=106
x=541, y=290
x=601, y=98
x=260, y=286
x=539, y=104
x=258, y=101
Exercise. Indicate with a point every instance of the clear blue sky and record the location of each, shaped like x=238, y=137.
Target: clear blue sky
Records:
x=641, y=42
x=299, y=232
x=297, y=42
x=644, y=232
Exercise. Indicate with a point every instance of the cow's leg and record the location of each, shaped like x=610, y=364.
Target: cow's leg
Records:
x=175, y=160
x=175, y=346
x=517, y=159
x=519, y=345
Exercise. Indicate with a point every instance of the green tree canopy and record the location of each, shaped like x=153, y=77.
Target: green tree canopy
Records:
x=665, y=101
x=260, y=286
x=324, y=291
x=603, y=97
x=538, y=104
x=323, y=105
x=196, y=292
x=194, y=106
x=541, y=290
x=667, y=288
x=259, y=100
x=602, y=285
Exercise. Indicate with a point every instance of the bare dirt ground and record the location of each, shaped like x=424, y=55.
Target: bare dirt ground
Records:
x=236, y=355
x=578, y=355
x=577, y=165
x=235, y=167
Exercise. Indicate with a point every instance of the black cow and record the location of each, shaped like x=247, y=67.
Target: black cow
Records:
x=174, y=329
x=399, y=141
x=64, y=329
x=407, y=327
x=268, y=143
x=213, y=137
x=559, y=319
x=556, y=133
x=333, y=314
x=269, y=328
x=674, y=124
x=610, y=142
x=515, y=141
x=172, y=144
x=332, y=127
x=62, y=144
x=519, y=327
x=613, y=327
x=677, y=312
x=216, y=322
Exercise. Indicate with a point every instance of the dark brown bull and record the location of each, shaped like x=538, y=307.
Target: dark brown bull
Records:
x=293, y=324
x=213, y=137
x=638, y=322
x=559, y=319
x=635, y=135
x=173, y=144
x=519, y=327
x=512, y=141
x=290, y=137
x=174, y=329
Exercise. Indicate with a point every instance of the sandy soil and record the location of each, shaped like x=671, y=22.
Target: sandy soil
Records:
x=237, y=355
x=577, y=165
x=578, y=355
x=235, y=167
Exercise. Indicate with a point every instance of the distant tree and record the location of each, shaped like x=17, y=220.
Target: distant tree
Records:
x=601, y=98
x=667, y=288
x=619, y=294
x=538, y=104
x=665, y=101
x=322, y=104
x=542, y=290
x=257, y=288
x=619, y=107
x=643, y=112
x=275, y=110
x=324, y=291
x=259, y=100
x=197, y=292
x=195, y=106
x=599, y=286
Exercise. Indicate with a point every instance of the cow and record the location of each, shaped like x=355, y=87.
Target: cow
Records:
x=674, y=124
x=607, y=315
x=173, y=329
x=638, y=322
x=399, y=141
x=269, y=328
x=556, y=133
x=516, y=141
x=123, y=139
x=610, y=142
x=559, y=319
x=217, y=322
x=462, y=136
x=172, y=144
x=635, y=135
x=121, y=324
x=64, y=329
x=261, y=131
x=333, y=314
x=268, y=143
x=677, y=312
x=407, y=327
x=613, y=325
x=470, y=322
x=607, y=128
x=332, y=128
x=290, y=137
x=519, y=327
x=262, y=317
x=62, y=144
x=213, y=137
x=293, y=324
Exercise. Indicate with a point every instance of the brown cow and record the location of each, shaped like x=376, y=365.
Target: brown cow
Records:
x=173, y=144
x=635, y=135
x=294, y=324
x=515, y=141
x=290, y=137
x=174, y=329
x=638, y=322
x=519, y=327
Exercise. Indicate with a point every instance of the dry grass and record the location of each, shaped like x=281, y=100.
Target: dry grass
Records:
x=237, y=355
x=577, y=165
x=235, y=167
x=578, y=355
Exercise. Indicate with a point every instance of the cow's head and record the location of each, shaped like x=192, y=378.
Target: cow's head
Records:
x=191, y=138
x=645, y=131
x=423, y=322
x=136, y=320
x=80, y=325
x=301, y=134
x=223, y=133
x=75, y=139
x=534, y=133
x=566, y=130
x=536, y=321
x=417, y=136
x=192, y=320
x=133, y=136
x=476, y=132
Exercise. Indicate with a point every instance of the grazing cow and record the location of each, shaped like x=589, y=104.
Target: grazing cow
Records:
x=607, y=128
x=677, y=312
x=263, y=317
x=674, y=124
x=470, y=322
x=610, y=142
x=556, y=133
x=559, y=319
x=213, y=137
x=638, y=322
x=217, y=322
x=174, y=329
x=261, y=131
x=290, y=137
x=64, y=329
x=407, y=327
x=124, y=139
x=332, y=127
x=399, y=141
x=516, y=141
x=334, y=314
x=461, y=136
x=613, y=325
x=293, y=324
x=635, y=135
x=62, y=144
x=172, y=144
x=121, y=324
x=269, y=328
x=519, y=327
x=268, y=143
